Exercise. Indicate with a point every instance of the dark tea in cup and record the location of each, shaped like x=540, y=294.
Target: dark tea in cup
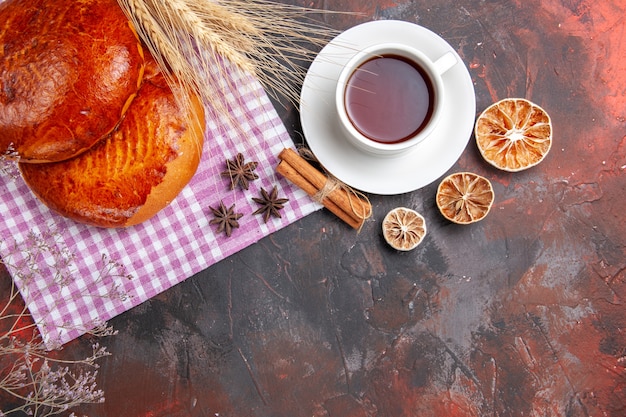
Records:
x=389, y=98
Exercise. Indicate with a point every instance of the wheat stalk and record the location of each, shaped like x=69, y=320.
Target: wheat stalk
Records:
x=204, y=46
x=153, y=35
x=186, y=21
x=286, y=43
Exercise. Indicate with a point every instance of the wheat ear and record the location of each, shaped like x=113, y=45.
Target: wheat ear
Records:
x=207, y=46
x=207, y=36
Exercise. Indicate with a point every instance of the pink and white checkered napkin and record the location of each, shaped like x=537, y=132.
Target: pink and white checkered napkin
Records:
x=157, y=254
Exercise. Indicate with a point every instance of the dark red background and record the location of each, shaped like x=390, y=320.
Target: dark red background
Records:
x=521, y=314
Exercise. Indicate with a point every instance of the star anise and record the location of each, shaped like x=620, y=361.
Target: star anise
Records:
x=240, y=172
x=270, y=204
x=225, y=218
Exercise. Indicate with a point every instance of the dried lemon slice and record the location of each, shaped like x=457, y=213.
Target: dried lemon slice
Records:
x=464, y=197
x=513, y=134
x=404, y=228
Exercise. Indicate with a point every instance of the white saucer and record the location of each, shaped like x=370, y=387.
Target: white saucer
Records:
x=366, y=172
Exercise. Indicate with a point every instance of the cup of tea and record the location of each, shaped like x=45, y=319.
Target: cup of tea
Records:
x=390, y=97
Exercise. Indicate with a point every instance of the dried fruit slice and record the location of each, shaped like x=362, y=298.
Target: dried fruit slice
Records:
x=404, y=228
x=514, y=134
x=464, y=197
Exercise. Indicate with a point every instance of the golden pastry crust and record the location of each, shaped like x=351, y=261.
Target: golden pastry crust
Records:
x=135, y=172
x=68, y=71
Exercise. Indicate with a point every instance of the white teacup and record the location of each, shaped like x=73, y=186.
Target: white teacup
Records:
x=390, y=97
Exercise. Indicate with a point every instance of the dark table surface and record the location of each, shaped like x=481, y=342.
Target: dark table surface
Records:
x=521, y=314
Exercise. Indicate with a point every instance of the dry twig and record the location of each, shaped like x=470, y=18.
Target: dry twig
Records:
x=40, y=382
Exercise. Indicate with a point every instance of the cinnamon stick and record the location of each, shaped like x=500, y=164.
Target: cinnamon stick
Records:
x=348, y=207
x=290, y=173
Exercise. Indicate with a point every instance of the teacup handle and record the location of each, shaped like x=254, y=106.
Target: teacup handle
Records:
x=445, y=62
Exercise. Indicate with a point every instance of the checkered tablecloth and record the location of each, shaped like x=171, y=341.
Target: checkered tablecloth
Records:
x=74, y=277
